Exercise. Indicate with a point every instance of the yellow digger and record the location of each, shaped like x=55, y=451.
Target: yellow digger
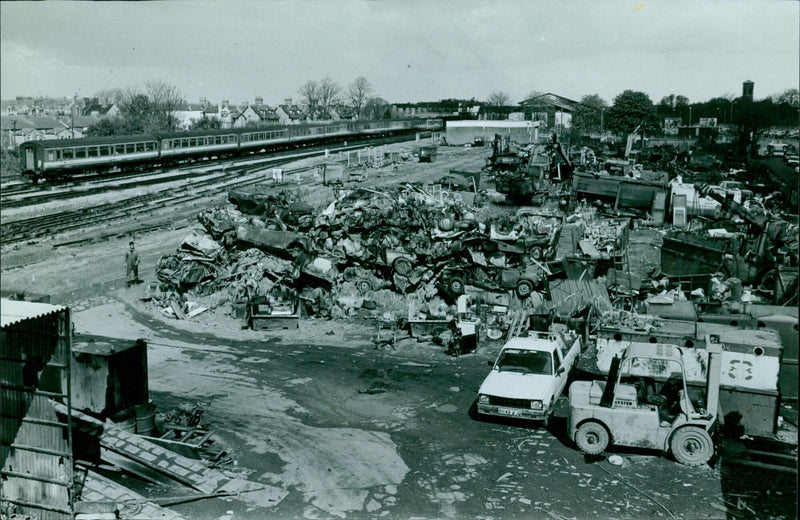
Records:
x=626, y=410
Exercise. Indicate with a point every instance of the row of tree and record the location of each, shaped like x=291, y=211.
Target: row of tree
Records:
x=320, y=97
x=632, y=109
x=152, y=108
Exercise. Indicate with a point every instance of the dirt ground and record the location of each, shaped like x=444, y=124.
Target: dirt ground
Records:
x=351, y=431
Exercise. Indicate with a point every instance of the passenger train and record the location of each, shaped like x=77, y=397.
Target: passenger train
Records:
x=59, y=158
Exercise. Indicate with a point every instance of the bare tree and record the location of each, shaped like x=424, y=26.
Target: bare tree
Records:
x=358, y=93
x=110, y=96
x=166, y=99
x=310, y=95
x=328, y=91
x=377, y=108
x=498, y=98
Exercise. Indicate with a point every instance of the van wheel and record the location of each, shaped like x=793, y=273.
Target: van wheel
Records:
x=592, y=438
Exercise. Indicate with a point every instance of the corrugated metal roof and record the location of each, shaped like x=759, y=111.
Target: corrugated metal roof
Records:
x=13, y=311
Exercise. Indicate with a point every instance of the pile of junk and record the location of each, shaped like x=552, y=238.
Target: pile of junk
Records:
x=405, y=255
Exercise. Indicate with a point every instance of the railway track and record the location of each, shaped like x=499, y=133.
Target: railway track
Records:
x=21, y=195
x=209, y=185
x=132, y=207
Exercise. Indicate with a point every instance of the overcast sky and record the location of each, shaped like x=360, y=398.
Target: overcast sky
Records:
x=409, y=50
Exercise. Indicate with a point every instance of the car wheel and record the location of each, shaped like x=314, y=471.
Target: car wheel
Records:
x=536, y=253
x=295, y=250
x=402, y=266
x=691, y=446
x=524, y=289
x=592, y=438
x=456, y=285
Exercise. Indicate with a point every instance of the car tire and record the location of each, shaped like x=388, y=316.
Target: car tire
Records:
x=592, y=438
x=691, y=446
x=524, y=289
x=456, y=285
x=402, y=266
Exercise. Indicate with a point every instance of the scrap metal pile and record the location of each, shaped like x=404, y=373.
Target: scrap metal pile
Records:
x=368, y=248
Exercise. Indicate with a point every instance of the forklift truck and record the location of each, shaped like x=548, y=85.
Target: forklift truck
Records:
x=625, y=410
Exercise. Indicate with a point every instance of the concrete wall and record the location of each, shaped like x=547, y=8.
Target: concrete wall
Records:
x=463, y=132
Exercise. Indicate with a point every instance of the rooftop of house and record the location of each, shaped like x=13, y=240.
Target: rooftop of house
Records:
x=550, y=99
x=30, y=122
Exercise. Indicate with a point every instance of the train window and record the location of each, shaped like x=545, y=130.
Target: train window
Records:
x=150, y=146
x=192, y=142
x=119, y=149
x=140, y=147
x=93, y=151
x=80, y=153
x=69, y=153
x=51, y=155
x=184, y=143
x=129, y=148
x=104, y=151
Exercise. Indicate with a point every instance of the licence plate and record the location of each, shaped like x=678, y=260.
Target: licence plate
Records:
x=509, y=411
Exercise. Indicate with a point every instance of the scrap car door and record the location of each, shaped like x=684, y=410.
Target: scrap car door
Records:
x=560, y=377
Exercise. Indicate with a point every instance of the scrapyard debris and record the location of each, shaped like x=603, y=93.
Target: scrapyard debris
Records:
x=375, y=250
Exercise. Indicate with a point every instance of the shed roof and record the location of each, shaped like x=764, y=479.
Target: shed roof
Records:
x=13, y=311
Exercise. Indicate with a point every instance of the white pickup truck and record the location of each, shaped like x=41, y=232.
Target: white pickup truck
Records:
x=529, y=375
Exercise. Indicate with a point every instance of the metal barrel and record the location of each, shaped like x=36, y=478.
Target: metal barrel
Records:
x=145, y=418
x=125, y=420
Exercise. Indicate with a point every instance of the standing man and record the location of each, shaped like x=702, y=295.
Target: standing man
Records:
x=131, y=265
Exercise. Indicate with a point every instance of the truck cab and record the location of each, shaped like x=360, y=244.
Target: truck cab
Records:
x=528, y=376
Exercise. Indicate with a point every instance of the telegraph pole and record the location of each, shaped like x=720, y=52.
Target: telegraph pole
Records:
x=72, y=115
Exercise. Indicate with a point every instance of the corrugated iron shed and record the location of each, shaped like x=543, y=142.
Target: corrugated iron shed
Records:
x=13, y=311
x=36, y=464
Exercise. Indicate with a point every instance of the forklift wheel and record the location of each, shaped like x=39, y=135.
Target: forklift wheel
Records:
x=592, y=438
x=692, y=446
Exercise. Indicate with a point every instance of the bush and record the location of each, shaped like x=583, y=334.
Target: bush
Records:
x=9, y=165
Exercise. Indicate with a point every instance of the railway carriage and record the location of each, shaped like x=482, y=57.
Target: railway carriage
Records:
x=180, y=145
x=64, y=157
x=58, y=157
